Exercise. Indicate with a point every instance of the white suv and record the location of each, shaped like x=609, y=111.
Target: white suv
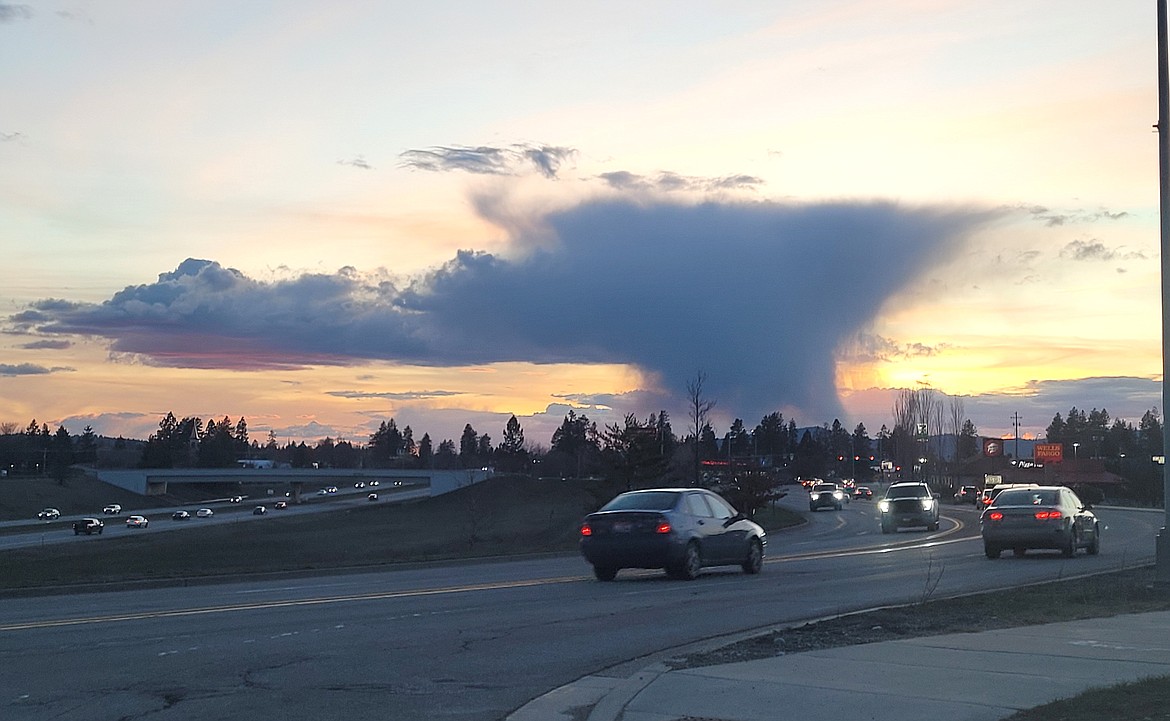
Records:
x=909, y=504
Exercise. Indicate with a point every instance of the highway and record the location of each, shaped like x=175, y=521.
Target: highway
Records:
x=473, y=641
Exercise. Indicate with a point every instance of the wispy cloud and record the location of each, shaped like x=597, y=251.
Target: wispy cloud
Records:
x=666, y=287
x=1096, y=250
x=356, y=162
x=869, y=348
x=47, y=345
x=490, y=160
x=30, y=369
x=672, y=182
x=10, y=13
x=394, y=395
x=1052, y=218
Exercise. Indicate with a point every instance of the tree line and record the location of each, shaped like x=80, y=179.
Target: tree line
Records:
x=931, y=439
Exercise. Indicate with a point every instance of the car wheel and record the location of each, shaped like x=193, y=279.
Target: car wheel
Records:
x=1019, y=551
x=1094, y=546
x=100, y=531
x=755, y=558
x=933, y=526
x=886, y=528
x=1070, y=547
x=990, y=551
x=812, y=508
x=76, y=532
x=688, y=568
x=605, y=573
x=838, y=506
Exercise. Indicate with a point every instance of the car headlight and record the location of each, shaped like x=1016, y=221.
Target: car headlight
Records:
x=884, y=506
x=927, y=504
x=838, y=495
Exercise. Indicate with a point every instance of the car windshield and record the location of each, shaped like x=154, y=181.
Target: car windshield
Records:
x=914, y=491
x=1027, y=497
x=648, y=501
x=824, y=487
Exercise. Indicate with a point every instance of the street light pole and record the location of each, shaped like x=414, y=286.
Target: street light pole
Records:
x=1162, y=545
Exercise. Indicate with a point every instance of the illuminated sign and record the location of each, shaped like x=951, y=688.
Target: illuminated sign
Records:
x=1049, y=452
x=992, y=447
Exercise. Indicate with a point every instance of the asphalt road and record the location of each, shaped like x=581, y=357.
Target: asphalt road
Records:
x=471, y=641
x=26, y=533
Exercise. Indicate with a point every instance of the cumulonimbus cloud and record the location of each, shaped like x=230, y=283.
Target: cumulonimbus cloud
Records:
x=759, y=296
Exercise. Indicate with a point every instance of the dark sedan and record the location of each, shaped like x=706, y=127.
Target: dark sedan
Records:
x=680, y=530
x=1050, y=517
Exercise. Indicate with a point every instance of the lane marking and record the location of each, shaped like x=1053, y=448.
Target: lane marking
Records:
x=326, y=600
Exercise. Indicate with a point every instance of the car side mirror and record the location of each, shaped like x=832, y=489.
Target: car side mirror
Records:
x=734, y=519
x=937, y=496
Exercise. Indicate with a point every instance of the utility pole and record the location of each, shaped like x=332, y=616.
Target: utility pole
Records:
x=1016, y=424
x=1162, y=565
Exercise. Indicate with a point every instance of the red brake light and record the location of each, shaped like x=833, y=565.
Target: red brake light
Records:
x=586, y=530
x=995, y=516
x=663, y=527
x=1047, y=514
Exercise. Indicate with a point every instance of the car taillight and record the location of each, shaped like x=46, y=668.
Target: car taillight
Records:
x=663, y=527
x=995, y=516
x=1042, y=515
x=586, y=530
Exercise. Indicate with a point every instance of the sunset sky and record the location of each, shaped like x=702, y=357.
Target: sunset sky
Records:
x=319, y=216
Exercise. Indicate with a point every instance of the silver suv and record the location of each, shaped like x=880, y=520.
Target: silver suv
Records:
x=909, y=504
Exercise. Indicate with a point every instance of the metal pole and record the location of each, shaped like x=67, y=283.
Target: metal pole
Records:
x=1163, y=538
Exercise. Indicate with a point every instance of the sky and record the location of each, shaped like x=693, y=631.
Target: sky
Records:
x=321, y=216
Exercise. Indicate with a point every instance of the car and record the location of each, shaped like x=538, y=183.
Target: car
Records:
x=825, y=495
x=323, y=492
x=281, y=504
x=987, y=495
x=236, y=499
x=680, y=530
x=331, y=489
x=180, y=516
x=846, y=492
x=88, y=526
x=863, y=493
x=373, y=483
x=204, y=513
x=259, y=511
x=112, y=510
x=359, y=484
x=137, y=522
x=909, y=504
x=49, y=514
x=372, y=497
x=967, y=494
x=1039, y=517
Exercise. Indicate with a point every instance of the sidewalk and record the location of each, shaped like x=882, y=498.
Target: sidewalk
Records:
x=958, y=677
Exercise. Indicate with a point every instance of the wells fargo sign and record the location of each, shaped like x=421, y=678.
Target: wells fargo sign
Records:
x=1052, y=452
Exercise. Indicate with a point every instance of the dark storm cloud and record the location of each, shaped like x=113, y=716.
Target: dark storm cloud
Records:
x=10, y=13
x=758, y=296
x=29, y=369
x=1038, y=402
x=672, y=182
x=489, y=160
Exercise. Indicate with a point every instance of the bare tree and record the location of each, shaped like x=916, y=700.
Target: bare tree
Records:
x=700, y=408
